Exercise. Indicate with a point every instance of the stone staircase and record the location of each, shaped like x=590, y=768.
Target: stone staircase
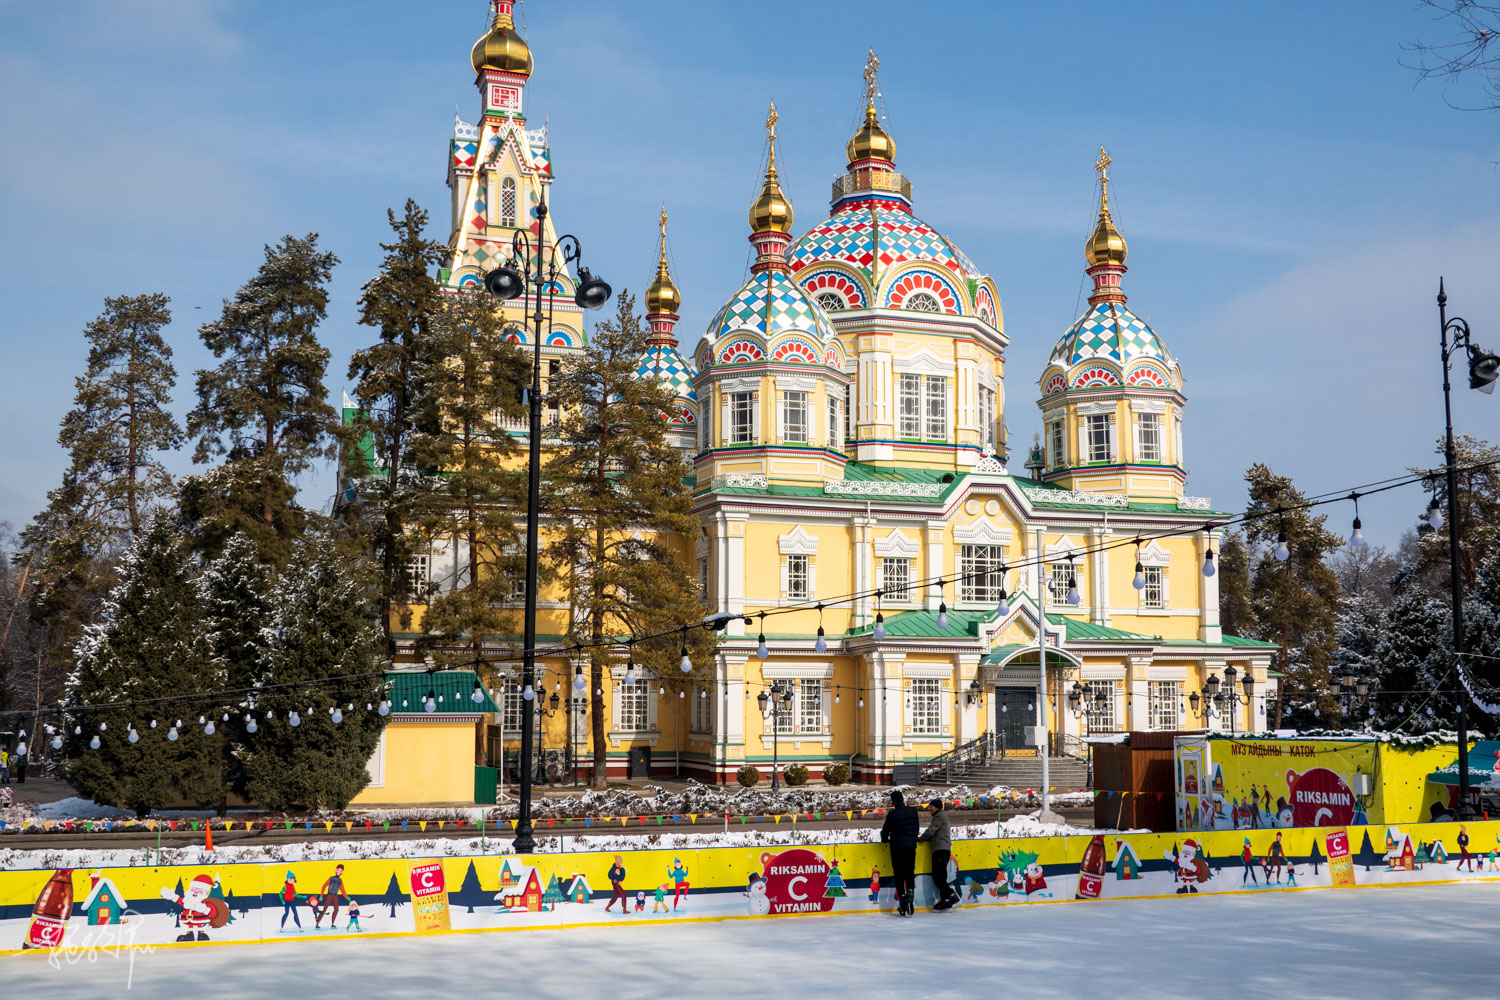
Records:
x=1065, y=773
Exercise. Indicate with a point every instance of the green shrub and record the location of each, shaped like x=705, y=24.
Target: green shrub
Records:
x=795, y=774
x=836, y=774
x=748, y=776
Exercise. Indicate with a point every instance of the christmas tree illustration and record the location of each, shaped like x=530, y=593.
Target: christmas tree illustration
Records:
x=470, y=894
x=554, y=893
x=835, y=888
x=217, y=892
x=1316, y=857
x=393, y=897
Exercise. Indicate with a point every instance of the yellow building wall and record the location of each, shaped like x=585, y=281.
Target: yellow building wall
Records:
x=425, y=763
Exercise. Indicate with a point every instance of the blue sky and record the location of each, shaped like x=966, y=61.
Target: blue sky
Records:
x=1289, y=192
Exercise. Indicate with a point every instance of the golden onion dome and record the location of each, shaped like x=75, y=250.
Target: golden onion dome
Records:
x=662, y=297
x=502, y=48
x=771, y=211
x=1106, y=245
x=871, y=142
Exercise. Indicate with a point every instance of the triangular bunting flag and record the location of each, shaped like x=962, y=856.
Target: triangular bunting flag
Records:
x=1158, y=796
x=658, y=821
x=692, y=817
x=327, y=825
x=367, y=824
x=550, y=822
x=347, y=826
x=423, y=824
x=386, y=826
x=588, y=821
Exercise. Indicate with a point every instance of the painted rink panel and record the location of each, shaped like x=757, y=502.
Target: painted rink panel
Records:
x=203, y=905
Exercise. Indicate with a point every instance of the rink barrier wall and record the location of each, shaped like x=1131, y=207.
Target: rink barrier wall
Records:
x=152, y=907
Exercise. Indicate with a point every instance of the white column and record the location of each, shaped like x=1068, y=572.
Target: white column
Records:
x=1099, y=570
x=876, y=416
x=966, y=405
x=730, y=712
x=965, y=669
x=1140, y=693
x=734, y=569
x=864, y=565
x=1208, y=589
x=936, y=565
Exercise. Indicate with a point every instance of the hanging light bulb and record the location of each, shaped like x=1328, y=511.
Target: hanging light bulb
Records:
x=681, y=695
x=1003, y=608
x=77, y=730
x=662, y=689
x=430, y=705
x=478, y=694
x=1208, y=563
x=57, y=742
x=1073, y=596
x=131, y=734
x=761, y=650
x=338, y=716
x=385, y=707
x=1283, y=553
x=172, y=734
x=1139, y=582
x=686, y=666
x=629, y=672
x=94, y=742
x=861, y=703
x=208, y=730
x=578, y=678
x=294, y=719
x=835, y=697
x=1435, y=515
x=703, y=694
x=1357, y=536
x=251, y=725
x=942, y=618
x=879, y=625
x=529, y=694
x=153, y=723
x=821, y=646
x=201, y=720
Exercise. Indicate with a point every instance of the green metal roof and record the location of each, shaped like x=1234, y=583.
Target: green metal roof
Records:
x=1228, y=641
x=1080, y=629
x=1000, y=653
x=454, y=690
x=923, y=624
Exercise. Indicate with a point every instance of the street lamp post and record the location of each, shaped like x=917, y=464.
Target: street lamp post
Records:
x=1350, y=691
x=778, y=702
x=529, y=277
x=1484, y=367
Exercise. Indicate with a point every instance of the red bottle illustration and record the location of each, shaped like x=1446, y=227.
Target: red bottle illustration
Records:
x=1091, y=869
x=49, y=917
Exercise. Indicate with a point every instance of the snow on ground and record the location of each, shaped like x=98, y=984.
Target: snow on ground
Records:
x=1411, y=942
x=737, y=835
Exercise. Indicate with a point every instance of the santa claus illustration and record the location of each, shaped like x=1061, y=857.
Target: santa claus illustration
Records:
x=1190, y=868
x=198, y=910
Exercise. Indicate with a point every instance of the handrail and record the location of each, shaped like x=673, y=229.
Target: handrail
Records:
x=979, y=749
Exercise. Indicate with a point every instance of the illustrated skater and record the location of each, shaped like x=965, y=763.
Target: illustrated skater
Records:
x=679, y=880
x=354, y=916
x=1463, y=849
x=333, y=894
x=1278, y=857
x=616, y=878
x=1291, y=873
x=1248, y=857
x=289, y=900
x=640, y=901
x=900, y=831
x=940, y=834
x=874, y=885
x=661, y=898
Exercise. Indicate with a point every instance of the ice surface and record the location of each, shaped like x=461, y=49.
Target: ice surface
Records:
x=1411, y=942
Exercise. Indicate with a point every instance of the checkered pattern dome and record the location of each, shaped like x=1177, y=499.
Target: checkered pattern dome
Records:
x=771, y=303
x=864, y=235
x=666, y=364
x=1111, y=332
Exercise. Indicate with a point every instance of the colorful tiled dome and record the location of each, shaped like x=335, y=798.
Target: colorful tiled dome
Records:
x=771, y=303
x=875, y=239
x=1109, y=331
x=665, y=363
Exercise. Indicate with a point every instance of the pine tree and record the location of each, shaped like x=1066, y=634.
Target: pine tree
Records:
x=326, y=655
x=1294, y=600
x=1236, y=608
x=622, y=512
x=393, y=897
x=1414, y=676
x=145, y=648
x=237, y=617
x=461, y=437
x=401, y=302
x=1360, y=623
x=1478, y=515
x=264, y=408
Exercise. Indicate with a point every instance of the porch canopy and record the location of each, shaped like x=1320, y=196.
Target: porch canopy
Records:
x=1484, y=765
x=1016, y=652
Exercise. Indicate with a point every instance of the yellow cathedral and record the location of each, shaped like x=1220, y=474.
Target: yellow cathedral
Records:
x=843, y=419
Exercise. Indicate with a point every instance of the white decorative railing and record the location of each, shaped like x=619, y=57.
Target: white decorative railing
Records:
x=740, y=482
x=989, y=465
x=878, y=488
x=462, y=129
x=1194, y=503
x=1074, y=496
x=536, y=138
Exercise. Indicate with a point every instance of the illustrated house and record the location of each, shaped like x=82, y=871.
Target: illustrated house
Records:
x=105, y=904
x=1218, y=779
x=510, y=873
x=1437, y=853
x=523, y=894
x=579, y=890
x=1126, y=864
x=1399, y=854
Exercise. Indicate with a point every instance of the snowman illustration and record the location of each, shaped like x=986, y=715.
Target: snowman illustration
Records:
x=1035, y=882
x=760, y=903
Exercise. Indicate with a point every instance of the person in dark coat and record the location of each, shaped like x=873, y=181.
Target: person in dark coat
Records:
x=900, y=831
x=941, y=836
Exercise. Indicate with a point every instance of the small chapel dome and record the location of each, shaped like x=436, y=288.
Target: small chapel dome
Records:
x=502, y=47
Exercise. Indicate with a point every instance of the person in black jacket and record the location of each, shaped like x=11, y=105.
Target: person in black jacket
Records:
x=900, y=831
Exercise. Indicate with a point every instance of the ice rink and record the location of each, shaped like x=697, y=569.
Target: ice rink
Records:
x=1427, y=941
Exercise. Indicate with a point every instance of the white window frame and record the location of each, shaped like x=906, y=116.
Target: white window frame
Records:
x=1057, y=452
x=835, y=439
x=1148, y=443
x=1165, y=712
x=808, y=705
x=909, y=392
x=924, y=710
x=922, y=302
x=703, y=708
x=1057, y=584
x=934, y=408
x=1154, y=593
x=797, y=574
x=703, y=576
x=794, y=422
x=898, y=589
x=508, y=212
x=975, y=558
x=1100, y=720
x=512, y=707
x=1099, y=437
x=744, y=413
x=989, y=433
x=419, y=572
x=640, y=701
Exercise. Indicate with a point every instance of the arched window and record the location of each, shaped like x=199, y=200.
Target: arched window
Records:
x=830, y=301
x=508, y=202
x=922, y=302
